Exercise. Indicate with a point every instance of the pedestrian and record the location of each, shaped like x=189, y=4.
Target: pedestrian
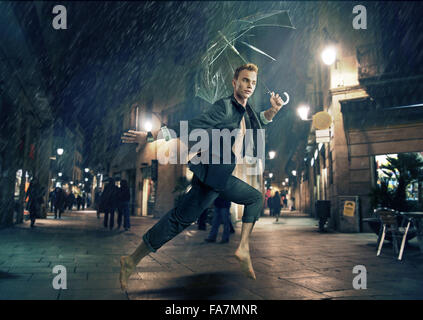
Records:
x=70, y=200
x=221, y=215
x=268, y=195
x=210, y=179
x=202, y=220
x=97, y=196
x=108, y=201
x=83, y=201
x=78, y=202
x=292, y=203
x=285, y=201
x=123, y=205
x=270, y=205
x=51, y=200
x=276, y=203
x=34, y=195
x=59, y=202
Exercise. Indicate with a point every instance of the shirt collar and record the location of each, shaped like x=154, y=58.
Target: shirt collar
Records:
x=238, y=105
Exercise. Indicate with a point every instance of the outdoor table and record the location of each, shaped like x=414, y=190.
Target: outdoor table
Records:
x=416, y=217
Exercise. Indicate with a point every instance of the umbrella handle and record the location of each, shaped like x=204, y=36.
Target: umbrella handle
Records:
x=283, y=102
x=287, y=99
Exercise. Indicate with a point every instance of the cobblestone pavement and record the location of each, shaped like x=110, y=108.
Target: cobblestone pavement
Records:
x=291, y=259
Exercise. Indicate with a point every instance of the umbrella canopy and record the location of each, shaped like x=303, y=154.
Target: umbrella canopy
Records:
x=223, y=56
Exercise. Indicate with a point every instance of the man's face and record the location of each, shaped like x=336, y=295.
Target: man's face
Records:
x=245, y=85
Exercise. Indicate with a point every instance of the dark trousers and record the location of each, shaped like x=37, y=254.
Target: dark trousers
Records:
x=109, y=212
x=58, y=209
x=221, y=215
x=123, y=212
x=195, y=202
x=202, y=220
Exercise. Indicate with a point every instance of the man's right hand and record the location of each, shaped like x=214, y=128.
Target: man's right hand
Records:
x=133, y=136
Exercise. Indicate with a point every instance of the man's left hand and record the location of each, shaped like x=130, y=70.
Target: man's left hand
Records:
x=276, y=101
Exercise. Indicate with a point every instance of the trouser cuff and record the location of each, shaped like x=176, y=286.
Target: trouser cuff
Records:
x=147, y=242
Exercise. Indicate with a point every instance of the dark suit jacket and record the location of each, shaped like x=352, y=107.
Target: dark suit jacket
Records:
x=225, y=113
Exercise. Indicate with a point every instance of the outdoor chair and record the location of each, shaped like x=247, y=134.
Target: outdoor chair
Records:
x=389, y=220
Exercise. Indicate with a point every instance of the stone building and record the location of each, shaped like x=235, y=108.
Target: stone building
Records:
x=373, y=91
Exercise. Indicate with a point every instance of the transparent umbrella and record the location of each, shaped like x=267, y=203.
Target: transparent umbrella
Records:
x=213, y=78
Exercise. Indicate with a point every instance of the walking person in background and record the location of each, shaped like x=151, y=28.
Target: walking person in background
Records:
x=221, y=214
x=51, y=200
x=97, y=197
x=276, y=203
x=35, y=199
x=78, y=202
x=123, y=205
x=270, y=205
x=83, y=201
x=59, y=202
x=285, y=201
x=109, y=203
x=70, y=200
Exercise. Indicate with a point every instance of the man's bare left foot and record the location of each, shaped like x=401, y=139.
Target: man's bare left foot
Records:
x=126, y=268
x=243, y=256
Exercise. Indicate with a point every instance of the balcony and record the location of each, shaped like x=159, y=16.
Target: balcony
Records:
x=370, y=61
x=386, y=61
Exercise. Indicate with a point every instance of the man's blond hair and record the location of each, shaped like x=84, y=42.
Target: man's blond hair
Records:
x=248, y=66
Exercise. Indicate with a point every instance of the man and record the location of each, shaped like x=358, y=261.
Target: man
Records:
x=109, y=201
x=59, y=202
x=35, y=199
x=211, y=180
x=221, y=215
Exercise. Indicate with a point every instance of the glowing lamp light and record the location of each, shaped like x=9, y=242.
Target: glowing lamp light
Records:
x=294, y=173
x=270, y=175
x=303, y=112
x=86, y=179
x=148, y=126
x=272, y=154
x=60, y=151
x=286, y=180
x=329, y=55
x=87, y=169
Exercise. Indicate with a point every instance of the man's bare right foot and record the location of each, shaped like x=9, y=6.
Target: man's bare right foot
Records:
x=127, y=266
x=243, y=256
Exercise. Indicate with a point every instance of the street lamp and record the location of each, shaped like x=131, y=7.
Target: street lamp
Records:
x=329, y=55
x=60, y=151
x=272, y=154
x=286, y=180
x=87, y=170
x=303, y=111
x=148, y=126
x=60, y=174
x=294, y=173
x=270, y=175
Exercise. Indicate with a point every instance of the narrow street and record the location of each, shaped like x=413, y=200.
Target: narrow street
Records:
x=291, y=260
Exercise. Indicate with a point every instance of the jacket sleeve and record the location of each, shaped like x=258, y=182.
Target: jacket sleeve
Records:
x=263, y=119
x=209, y=119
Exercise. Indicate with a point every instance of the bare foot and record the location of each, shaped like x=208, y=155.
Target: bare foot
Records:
x=126, y=268
x=243, y=256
